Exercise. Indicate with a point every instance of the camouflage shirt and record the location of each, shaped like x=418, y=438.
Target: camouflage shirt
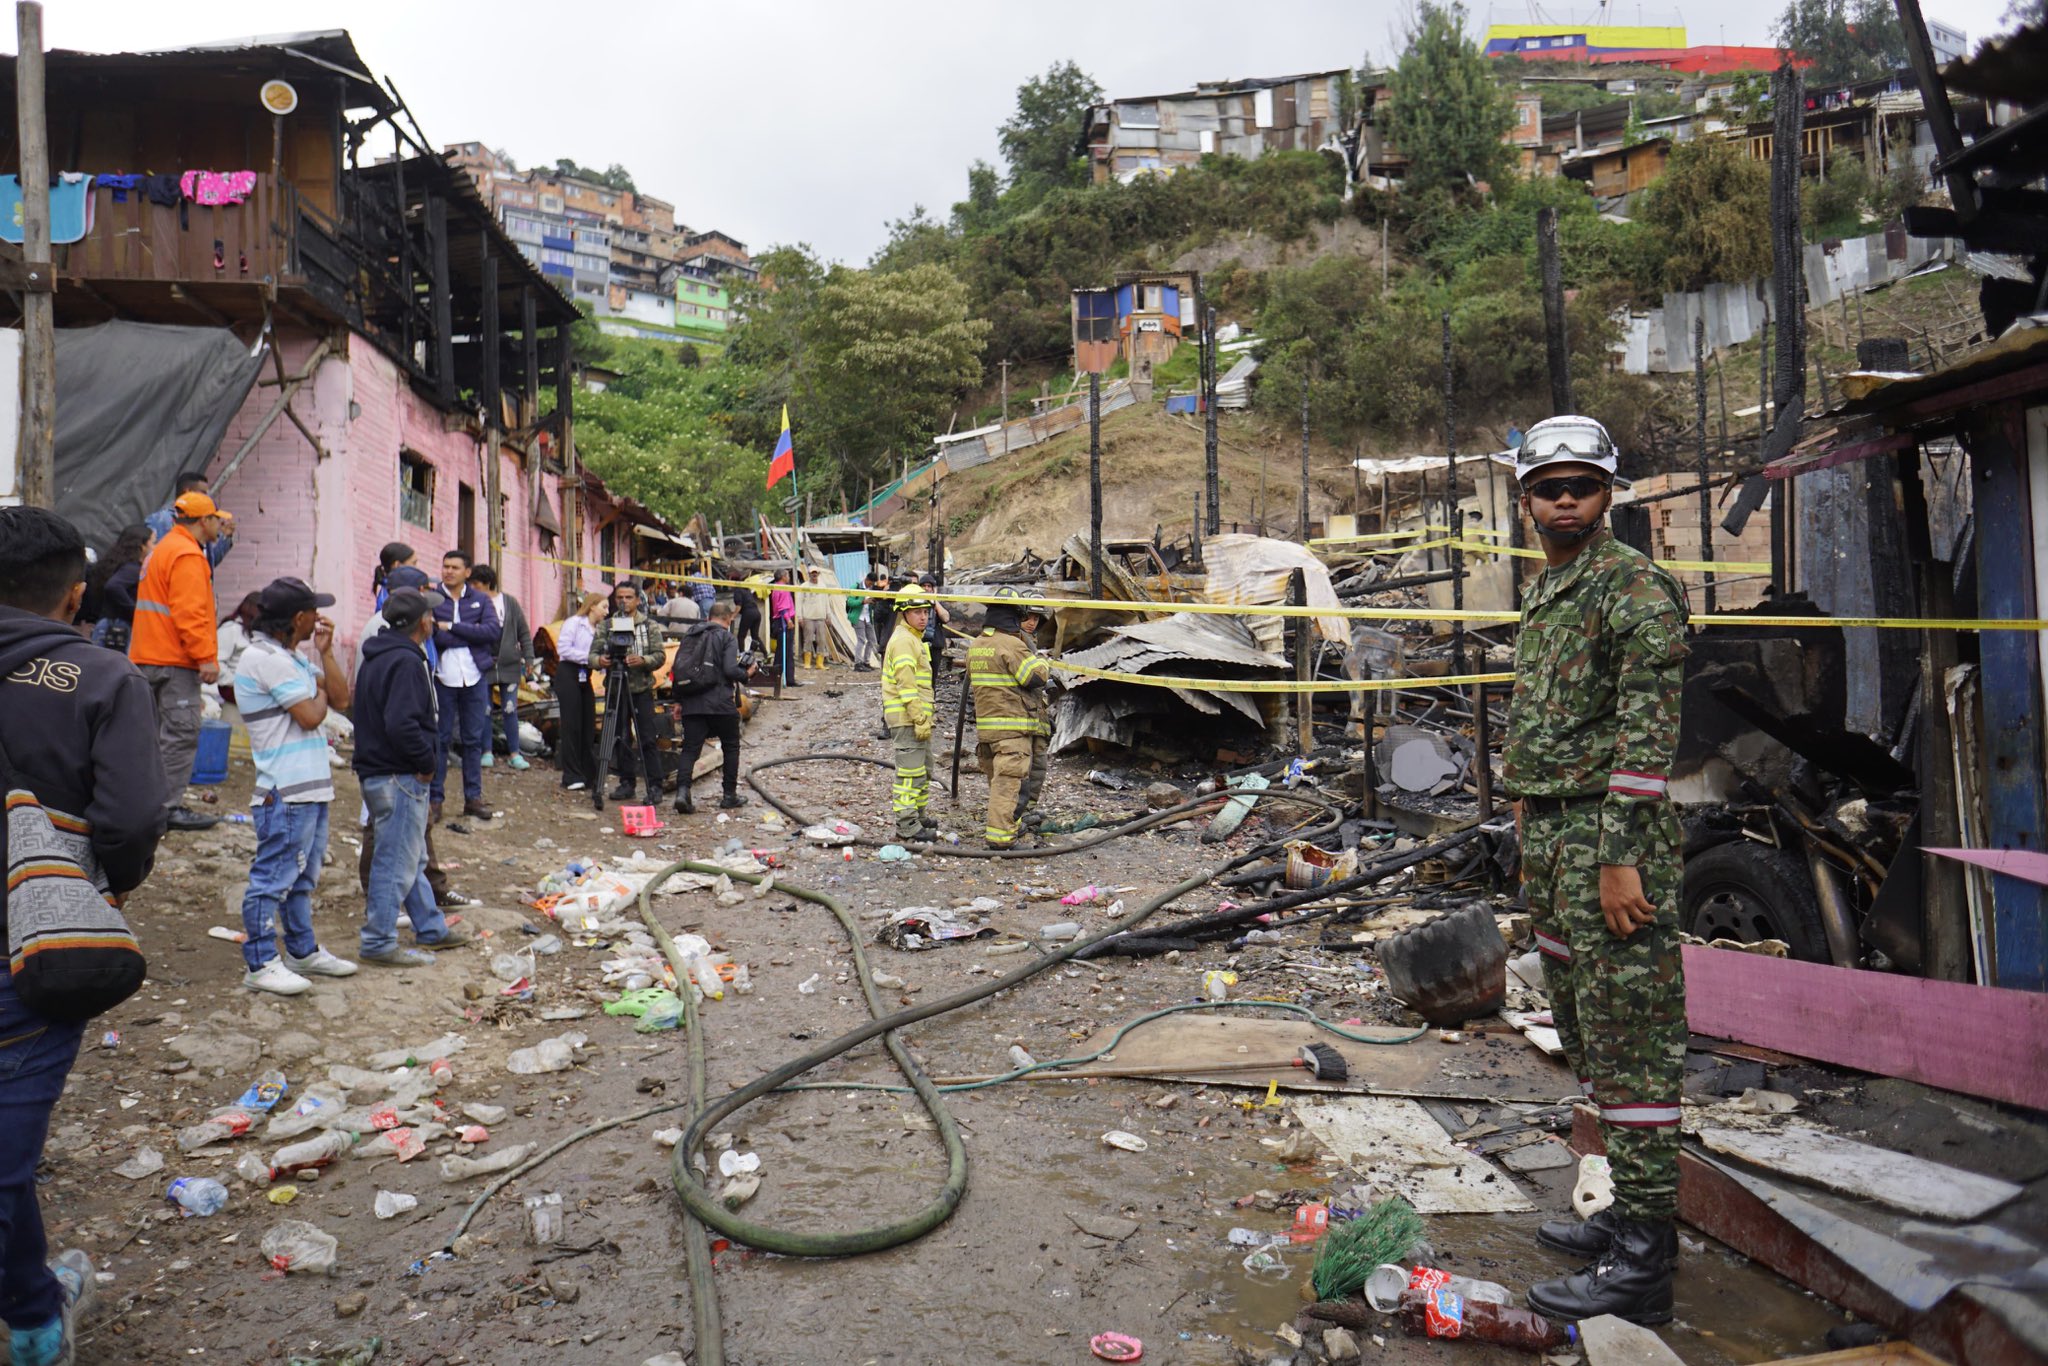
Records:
x=1598, y=666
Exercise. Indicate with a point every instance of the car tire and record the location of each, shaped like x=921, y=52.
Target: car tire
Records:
x=1748, y=891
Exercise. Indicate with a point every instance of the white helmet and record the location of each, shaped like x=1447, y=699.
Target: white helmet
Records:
x=1565, y=440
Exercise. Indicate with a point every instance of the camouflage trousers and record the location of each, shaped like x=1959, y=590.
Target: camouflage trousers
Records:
x=912, y=788
x=1015, y=767
x=1619, y=1003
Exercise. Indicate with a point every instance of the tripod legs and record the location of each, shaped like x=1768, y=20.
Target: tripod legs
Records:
x=616, y=700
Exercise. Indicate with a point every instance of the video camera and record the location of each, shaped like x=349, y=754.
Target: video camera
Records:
x=618, y=641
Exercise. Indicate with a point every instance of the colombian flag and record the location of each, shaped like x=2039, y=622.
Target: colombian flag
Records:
x=784, y=462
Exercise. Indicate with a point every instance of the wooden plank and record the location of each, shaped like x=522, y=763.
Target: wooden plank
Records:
x=2015, y=801
x=1834, y=1163
x=1981, y=1041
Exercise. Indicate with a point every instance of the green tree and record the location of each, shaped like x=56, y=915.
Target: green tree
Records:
x=613, y=177
x=883, y=357
x=661, y=433
x=1038, y=141
x=1448, y=114
x=1712, y=208
x=1846, y=40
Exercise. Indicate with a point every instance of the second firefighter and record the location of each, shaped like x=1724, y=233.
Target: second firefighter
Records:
x=1009, y=680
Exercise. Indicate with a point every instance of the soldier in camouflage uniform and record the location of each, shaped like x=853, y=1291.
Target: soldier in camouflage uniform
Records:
x=1591, y=731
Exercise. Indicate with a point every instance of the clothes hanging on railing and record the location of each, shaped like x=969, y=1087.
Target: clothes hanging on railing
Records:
x=71, y=210
x=217, y=187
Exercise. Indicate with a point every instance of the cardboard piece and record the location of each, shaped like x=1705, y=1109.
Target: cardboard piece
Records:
x=1397, y=1146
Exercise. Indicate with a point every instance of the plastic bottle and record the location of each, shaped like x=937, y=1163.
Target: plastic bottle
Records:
x=296, y=1245
x=1021, y=1058
x=809, y=986
x=544, y=1219
x=1388, y=1282
x=549, y=1055
x=742, y=984
x=1441, y=1312
x=226, y=1124
x=316, y=1151
x=200, y=1195
x=254, y=1170
x=707, y=976
x=264, y=1092
x=238, y=818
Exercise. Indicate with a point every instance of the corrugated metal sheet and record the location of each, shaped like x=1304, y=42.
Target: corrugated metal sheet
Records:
x=1254, y=570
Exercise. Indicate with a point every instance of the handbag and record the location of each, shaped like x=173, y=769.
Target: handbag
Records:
x=69, y=948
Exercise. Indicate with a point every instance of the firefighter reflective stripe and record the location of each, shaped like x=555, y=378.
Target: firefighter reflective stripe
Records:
x=906, y=679
x=1023, y=724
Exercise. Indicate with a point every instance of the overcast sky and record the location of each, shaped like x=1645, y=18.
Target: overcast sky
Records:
x=805, y=120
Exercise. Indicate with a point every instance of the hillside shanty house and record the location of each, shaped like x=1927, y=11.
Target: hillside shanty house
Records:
x=351, y=346
x=1246, y=118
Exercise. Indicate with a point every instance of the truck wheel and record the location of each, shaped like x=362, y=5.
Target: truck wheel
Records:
x=1749, y=891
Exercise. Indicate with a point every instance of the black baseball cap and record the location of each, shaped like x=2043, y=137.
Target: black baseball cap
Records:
x=403, y=609
x=289, y=597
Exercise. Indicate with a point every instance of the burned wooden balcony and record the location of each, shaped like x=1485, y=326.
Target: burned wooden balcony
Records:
x=183, y=262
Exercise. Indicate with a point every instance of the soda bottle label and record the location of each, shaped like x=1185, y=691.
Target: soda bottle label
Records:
x=384, y=1117
x=1444, y=1312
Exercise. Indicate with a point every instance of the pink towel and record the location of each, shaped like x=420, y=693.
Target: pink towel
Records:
x=217, y=187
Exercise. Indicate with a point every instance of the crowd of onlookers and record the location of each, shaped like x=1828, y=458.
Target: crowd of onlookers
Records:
x=110, y=665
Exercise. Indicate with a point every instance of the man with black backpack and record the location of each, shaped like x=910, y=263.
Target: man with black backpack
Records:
x=707, y=669
x=78, y=734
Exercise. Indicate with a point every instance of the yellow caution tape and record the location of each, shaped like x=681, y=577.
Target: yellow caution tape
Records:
x=1287, y=685
x=1228, y=609
x=1690, y=566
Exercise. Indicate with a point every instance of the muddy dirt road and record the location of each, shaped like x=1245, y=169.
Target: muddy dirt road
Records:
x=1059, y=1237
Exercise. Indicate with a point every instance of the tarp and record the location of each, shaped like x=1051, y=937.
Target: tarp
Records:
x=138, y=404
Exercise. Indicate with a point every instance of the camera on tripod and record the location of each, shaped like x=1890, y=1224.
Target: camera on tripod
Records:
x=618, y=642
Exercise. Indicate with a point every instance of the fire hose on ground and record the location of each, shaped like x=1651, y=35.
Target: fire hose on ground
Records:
x=702, y=1210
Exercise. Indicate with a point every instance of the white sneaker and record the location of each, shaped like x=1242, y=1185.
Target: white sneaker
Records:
x=274, y=976
x=321, y=963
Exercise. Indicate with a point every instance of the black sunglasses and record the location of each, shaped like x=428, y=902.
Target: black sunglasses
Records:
x=1577, y=485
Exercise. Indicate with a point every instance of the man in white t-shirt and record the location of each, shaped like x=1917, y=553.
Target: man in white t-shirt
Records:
x=283, y=698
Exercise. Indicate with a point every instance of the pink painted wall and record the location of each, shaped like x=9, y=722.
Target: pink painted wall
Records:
x=325, y=520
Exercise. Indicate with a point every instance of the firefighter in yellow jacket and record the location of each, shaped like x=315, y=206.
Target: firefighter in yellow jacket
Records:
x=907, y=707
x=1009, y=680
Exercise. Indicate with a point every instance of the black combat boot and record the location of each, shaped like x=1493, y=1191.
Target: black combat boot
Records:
x=1632, y=1279
x=1586, y=1238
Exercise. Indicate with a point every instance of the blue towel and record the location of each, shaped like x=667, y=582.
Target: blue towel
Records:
x=70, y=209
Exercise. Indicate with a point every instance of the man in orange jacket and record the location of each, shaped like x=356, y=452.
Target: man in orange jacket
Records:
x=174, y=643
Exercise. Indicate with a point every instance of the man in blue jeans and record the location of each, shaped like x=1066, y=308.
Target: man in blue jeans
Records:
x=79, y=732
x=283, y=699
x=466, y=634
x=397, y=742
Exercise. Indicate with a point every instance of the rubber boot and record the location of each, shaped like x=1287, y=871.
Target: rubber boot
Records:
x=684, y=805
x=1586, y=1238
x=1632, y=1279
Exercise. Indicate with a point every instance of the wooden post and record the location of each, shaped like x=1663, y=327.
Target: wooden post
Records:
x=529, y=345
x=1452, y=518
x=1304, y=663
x=1302, y=512
x=1482, y=736
x=1211, y=473
x=572, y=491
x=1095, y=484
x=494, y=521
x=443, y=305
x=1555, y=345
x=38, y=438
x=1699, y=385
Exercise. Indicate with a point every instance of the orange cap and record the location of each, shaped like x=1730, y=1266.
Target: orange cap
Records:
x=196, y=504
